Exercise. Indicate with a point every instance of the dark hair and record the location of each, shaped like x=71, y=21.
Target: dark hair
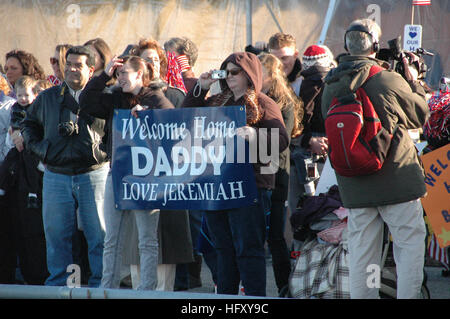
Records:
x=29, y=64
x=83, y=50
x=137, y=63
x=102, y=48
x=183, y=46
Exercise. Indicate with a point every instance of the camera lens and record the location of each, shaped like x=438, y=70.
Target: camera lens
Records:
x=67, y=128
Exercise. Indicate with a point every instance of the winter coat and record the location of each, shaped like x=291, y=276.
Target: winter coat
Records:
x=398, y=104
x=311, y=94
x=294, y=78
x=282, y=175
x=70, y=155
x=95, y=102
x=263, y=114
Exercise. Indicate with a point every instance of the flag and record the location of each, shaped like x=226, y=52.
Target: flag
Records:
x=421, y=2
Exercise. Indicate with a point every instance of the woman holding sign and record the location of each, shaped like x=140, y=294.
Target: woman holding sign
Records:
x=239, y=234
x=133, y=77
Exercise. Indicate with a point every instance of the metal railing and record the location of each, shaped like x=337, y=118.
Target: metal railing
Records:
x=65, y=292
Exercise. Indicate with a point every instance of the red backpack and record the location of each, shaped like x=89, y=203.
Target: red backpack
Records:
x=357, y=142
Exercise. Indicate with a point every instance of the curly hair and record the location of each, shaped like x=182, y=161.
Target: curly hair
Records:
x=253, y=109
x=28, y=62
x=4, y=86
x=145, y=44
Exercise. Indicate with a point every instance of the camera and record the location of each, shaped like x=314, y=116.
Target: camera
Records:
x=67, y=128
x=219, y=74
x=395, y=54
x=312, y=172
x=127, y=51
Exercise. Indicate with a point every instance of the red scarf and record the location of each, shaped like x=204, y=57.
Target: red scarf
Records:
x=173, y=76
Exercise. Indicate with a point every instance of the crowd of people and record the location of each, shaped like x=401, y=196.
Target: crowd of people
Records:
x=56, y=191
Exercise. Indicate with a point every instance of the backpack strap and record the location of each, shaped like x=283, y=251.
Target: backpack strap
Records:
x=374, y=69
x=349, y=95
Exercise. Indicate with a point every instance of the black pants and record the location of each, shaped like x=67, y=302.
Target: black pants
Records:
x=22, y=237
x=277, y=243
x=20, y=163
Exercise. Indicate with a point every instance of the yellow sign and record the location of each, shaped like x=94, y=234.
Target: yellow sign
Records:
x=437, y=202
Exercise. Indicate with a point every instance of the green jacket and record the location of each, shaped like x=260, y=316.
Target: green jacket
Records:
x=397, y=103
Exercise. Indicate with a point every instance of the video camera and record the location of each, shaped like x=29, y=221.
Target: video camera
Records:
x=395, y=54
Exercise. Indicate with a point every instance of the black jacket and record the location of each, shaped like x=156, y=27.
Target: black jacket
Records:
x=18, y=114
x=311, y=95
x=96, y=102
x=70, y=155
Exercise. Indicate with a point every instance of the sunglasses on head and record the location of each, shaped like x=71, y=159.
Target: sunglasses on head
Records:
x=54, y=60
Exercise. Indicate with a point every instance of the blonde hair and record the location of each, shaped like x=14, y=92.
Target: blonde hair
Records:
x=62, y=50
x=281, y=91
x=4, y=86
x=42, y=85
x=280, y=40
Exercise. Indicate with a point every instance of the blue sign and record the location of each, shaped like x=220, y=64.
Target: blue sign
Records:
x=189, y=158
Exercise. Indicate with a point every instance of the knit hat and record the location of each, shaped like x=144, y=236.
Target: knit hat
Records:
x=318, y=55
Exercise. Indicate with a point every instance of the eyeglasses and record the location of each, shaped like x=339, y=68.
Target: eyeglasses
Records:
x=54, y=60
x=233, y=72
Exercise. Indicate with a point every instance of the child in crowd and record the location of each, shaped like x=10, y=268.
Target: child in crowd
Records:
x=25, y=92
x=42, y=85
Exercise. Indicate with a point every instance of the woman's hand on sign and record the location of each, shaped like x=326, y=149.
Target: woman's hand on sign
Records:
x=136, y=109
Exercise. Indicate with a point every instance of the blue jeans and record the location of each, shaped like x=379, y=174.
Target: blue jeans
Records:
x=239, y=236
x=62, y=195
x=116, y=224
x=299, y=155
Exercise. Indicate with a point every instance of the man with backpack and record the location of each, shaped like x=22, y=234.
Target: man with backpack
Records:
x=380, y=180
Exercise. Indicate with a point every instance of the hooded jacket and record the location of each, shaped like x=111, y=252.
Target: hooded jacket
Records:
x=261, y=111
x=400, y=106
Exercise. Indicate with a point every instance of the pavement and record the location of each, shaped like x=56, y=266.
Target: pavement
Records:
x=438, y=285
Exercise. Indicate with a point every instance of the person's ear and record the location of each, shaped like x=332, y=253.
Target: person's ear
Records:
x=140, y=74
x=91, y=71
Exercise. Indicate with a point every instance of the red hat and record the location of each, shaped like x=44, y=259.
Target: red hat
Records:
x=317, y=54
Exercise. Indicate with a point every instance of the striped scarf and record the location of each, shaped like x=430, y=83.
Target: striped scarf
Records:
x=173, y=76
